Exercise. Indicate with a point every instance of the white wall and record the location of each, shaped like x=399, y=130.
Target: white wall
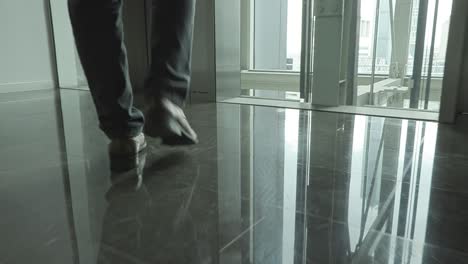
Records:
x=26, y=57
x=270, y=22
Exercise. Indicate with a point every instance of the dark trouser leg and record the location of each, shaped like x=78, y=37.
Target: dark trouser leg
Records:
x=98, y=29
x=171, y=49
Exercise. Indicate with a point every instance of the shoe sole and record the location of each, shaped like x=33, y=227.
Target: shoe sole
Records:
x=170, y=140
x=178, y=140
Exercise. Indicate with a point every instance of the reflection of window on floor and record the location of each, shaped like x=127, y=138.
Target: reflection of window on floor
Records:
x=291, y=148
x=398, y=205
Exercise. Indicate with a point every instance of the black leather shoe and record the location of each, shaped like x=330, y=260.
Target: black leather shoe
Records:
x=166, y=120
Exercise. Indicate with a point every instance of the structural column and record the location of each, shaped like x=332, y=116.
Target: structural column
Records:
x=327, y=52
x=400, y=50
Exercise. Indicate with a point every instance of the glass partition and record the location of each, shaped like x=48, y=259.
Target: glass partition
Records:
x=370, y=53
x=402, y=47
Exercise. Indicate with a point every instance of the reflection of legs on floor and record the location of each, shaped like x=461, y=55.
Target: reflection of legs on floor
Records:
x=128, y=170
x=157, y=219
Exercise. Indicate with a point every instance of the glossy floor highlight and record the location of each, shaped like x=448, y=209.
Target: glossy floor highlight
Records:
x=265, y=185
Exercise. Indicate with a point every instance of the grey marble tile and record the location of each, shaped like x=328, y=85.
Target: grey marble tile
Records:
x=450, y=173
x=447, y=219
x=307, y=239
x=35, y=224
x=265, y=185
x=31, y=132
x=452, y=139
x=166, y=217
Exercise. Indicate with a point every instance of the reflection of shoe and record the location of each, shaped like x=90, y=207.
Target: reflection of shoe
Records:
x=167, y=121
x=127, y=146
x=128, y=170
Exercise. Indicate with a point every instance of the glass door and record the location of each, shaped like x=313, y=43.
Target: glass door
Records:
x=271, y=33
x=365, y=53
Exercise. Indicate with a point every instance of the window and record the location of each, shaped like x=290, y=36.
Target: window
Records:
x=365, y=28
x=277, y=35
x=388, y=41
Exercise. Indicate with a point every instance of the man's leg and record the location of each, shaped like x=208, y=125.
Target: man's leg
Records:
x=171, y=49
x=168, y=80
x=98, y=29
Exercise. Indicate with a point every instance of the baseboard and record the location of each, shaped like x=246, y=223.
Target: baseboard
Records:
x=276, y=81
x=26, y=86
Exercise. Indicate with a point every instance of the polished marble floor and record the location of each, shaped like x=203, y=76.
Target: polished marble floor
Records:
x=265, y=185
